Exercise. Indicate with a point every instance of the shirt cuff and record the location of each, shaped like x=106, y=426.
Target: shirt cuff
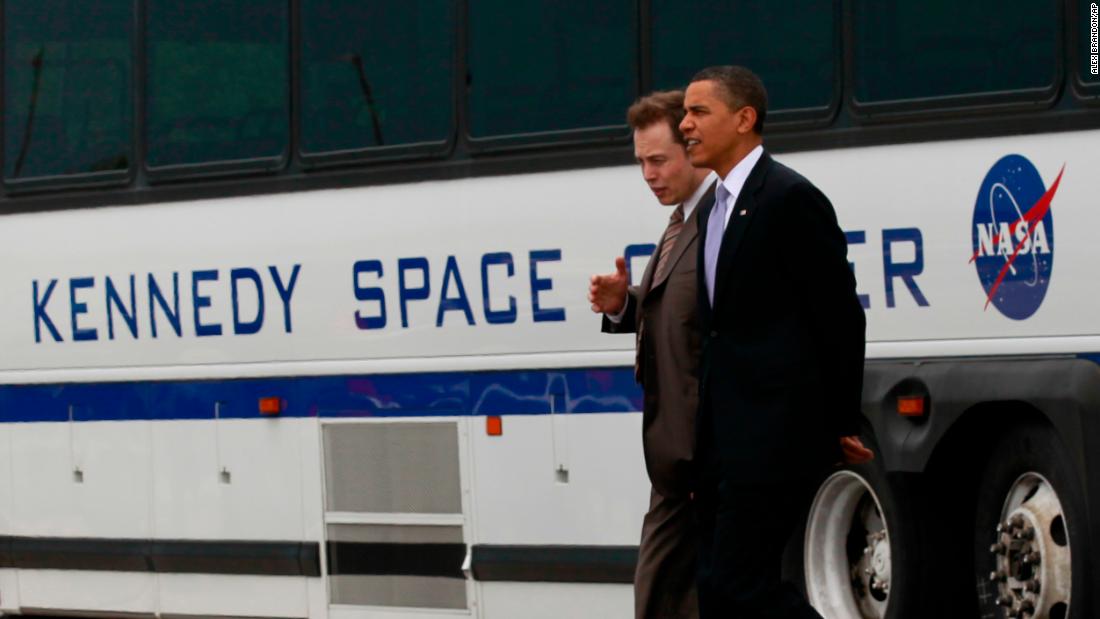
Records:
x=617, y=318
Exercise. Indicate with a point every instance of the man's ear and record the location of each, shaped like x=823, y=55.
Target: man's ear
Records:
x=746, y=119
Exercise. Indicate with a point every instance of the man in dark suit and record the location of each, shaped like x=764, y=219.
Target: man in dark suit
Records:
x=662, y=312
x=783, y=343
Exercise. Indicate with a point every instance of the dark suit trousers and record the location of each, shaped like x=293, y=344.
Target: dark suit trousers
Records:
x=664, y=580
x=743, y=530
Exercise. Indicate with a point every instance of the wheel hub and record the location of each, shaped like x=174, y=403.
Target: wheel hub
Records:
x=1031, y=553
x=873, y=570
x=847, y=550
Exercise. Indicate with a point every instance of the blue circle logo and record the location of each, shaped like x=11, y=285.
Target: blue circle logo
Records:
x=1013, y=236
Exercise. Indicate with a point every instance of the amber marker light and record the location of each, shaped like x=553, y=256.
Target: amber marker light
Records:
x=494, y=425
x=911, y=405
x=271, y=406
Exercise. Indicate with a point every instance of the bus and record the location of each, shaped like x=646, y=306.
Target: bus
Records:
x=293, y=317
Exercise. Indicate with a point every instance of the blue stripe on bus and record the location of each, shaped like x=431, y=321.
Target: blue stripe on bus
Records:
x=522, y=392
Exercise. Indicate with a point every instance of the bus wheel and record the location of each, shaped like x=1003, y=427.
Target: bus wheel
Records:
x=855, y=547
x=1029, y=559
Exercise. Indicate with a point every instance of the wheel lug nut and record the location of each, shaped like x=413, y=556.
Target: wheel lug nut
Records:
x=997, y=576
x=1005, y=601
x=998, y=548
x=1017, y=521
x=1032, y=586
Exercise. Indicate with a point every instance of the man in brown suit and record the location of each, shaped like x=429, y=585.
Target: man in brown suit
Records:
x=662, y=311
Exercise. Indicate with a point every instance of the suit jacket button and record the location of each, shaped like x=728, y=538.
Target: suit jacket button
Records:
x=714, y=334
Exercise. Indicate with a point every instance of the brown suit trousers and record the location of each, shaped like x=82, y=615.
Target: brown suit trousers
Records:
x=664, y=579
x=663, y=314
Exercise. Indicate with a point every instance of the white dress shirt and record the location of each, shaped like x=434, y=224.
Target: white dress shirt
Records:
x=735, y=180
x=689, y=206
x=693, y=201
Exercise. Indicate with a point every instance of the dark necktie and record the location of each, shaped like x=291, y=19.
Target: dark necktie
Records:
x=675, y=225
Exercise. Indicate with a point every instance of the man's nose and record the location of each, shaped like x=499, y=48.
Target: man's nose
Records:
x=686, y=125
x=649, y=172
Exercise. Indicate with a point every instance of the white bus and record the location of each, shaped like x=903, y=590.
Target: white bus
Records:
x=293, y=317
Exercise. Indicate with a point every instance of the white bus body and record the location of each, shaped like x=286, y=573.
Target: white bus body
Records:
x=481, y=283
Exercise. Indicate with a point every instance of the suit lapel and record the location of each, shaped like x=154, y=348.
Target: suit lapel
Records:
x=644, y=288
x=687, y=235
x=744, y=210
x=647, y=275
x=700, y=262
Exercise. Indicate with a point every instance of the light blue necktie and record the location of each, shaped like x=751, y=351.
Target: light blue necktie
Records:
x=716, y=229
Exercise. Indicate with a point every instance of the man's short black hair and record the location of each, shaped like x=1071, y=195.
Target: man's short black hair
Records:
x=739, y=87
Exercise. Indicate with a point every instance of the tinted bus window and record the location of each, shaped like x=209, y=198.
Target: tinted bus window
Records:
x=943, y=48
x=376, y=73
x=67, y=87
x=550, y=65
x=217, y=81
x=790, y=45
x=1088, y=53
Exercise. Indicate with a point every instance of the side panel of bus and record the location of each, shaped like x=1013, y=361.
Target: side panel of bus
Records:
x=422, y=281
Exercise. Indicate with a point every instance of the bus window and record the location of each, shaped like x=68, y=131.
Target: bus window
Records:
x=550, y=65
x=217, y=84
x=376, y=73
x=791, y=46
x=943, y=48
x=1087, y=54
x=67, y=87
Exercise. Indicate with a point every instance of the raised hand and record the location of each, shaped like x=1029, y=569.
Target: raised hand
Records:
x=607, y=293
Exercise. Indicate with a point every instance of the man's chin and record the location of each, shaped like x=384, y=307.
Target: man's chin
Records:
x=698, y=159
x=666, y=197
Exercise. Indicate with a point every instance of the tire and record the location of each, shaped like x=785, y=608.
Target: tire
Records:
x=858, y=508
x=1030, y=490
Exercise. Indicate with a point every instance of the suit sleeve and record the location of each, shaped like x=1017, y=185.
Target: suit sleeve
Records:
x=629, y=322
x=817, y=261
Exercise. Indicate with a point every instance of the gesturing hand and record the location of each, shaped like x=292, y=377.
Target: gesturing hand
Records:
x=607, y=293
x=854, y=451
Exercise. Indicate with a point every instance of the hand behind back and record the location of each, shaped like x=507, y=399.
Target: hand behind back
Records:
x=854, y=452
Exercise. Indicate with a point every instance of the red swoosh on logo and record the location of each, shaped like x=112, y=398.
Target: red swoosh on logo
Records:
x=1033, y=216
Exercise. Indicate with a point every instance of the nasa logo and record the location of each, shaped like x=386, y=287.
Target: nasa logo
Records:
x=1013, y=236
